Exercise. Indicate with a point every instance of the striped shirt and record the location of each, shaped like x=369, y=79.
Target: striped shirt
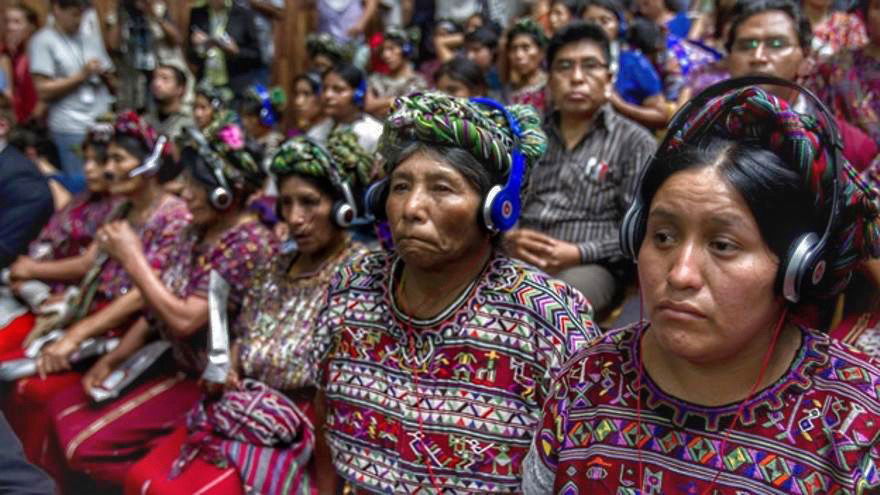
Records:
x=580, y=195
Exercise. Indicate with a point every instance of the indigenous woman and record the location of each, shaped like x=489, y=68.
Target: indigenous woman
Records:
x=21, y=22
x=325, y=52
x=442, y=351
x=343, y=94
x=525, y=54
x=461, y=77
x=721, y=390
x=307, y=109
x=108, y=300
x=105, y=440
x=273, y=352
x=261, y=113
x=849, y=82
x=398, y=49
x=209, y=101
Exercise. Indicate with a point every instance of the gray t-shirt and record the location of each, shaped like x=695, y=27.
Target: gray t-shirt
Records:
x=56, y=55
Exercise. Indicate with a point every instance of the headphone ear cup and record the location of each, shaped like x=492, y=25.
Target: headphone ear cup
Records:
x=500, y=209
x=221, y=199
x=803, y=268
x=375, y=198
x=343, y=214
x=632, y=231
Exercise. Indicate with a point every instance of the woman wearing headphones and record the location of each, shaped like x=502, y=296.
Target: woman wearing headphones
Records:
x=307, y=108
x=343, y=93
x=261, y=111
x=397, y=52
x=209, y=101
x=440, y=353
x=746, y=217
x=108, y=300
x=273, y=362
x=105, y=439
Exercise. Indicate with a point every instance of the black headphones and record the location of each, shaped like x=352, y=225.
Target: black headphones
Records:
x=344, y=211
x=221, y=196
x=804, y=266
x=500, y=207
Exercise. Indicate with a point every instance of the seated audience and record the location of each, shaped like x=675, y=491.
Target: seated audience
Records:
x=594, y=155
x=343, y=94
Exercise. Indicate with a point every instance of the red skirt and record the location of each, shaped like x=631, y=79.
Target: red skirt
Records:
x=13, y=334
x=150, y=475
x=104, y=441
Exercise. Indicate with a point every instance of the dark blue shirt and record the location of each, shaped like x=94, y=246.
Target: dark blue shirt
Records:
x=637, y=80
x=25, y=204
x=680, y=25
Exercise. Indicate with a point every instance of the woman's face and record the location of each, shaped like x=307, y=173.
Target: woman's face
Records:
x=650, y=8
x=195, y=194
x=338, y=97
x=559, y=16
x=94, y=171
x=306, y=210
x=392, y=55
x=119, y=163
x=525, y=55
x=432, y=213
x=873, y=22
x=321, y=63
x=18, y=29
x=454, y=87
x=479, y=54
x=203, y=112
x=306, y=103
x=707, y=276
x=605, y=19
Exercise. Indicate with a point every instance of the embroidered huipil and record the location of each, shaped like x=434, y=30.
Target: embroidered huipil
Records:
x=159, y=239
x=815, y=430
x=71, y=229
x=446, y=405
x=277, y=321
x=533, y=94
x=238, y=252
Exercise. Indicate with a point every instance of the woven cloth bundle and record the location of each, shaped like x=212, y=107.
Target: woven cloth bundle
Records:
x=481, y=130
x=302, y=156
x=751, y=114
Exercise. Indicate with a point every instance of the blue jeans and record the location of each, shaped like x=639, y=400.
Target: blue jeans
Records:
x=69, y=146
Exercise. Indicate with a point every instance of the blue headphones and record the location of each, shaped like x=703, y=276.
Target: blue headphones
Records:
x=500, y=207
x=804, y=266
x=360, y=93
x=268, y=117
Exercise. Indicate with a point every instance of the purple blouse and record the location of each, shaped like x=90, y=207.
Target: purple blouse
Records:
x=72, y=228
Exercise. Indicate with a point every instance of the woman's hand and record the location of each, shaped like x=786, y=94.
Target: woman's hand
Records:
x=119, y=240
x=55, y=357
x=22, y=269
x=98, y=373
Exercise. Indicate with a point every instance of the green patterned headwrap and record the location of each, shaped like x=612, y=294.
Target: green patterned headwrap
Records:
x=355, y=164
x=483, y=131
x=302, y=156
x=326, y=44
x=530, y=27
x=226, y=143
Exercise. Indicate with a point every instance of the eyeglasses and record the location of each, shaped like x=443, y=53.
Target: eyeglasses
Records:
x=588, y=66
x=770, y=44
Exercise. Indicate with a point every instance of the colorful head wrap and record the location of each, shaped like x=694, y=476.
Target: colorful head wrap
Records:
x=483, y=131
x=324, y=43
x=402, y=36
x=302, y=156
x=130, y=124
x=753, y=114
x=355, y=164
x=227, y=146
x=218, y=97
x=277, y=97
x=530, y=27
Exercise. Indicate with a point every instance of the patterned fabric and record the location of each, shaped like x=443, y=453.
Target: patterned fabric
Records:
x=71, y=229
x=849, y=83
x=303, y=156
x=267, y=437
x=533, y=94
x=277, y=321
x=842, y=31
x=483, y=131
x=235, y=255
x=813, y=431
x=601, y=170
x=862, y=331
x=224, y=147
x=159, y=236
x=530, y=27
x=706, y=75
x=131, y=124
x=326, y=44
x=751, y=113
x=355, y=163
x=388, y=86
x=447, y=404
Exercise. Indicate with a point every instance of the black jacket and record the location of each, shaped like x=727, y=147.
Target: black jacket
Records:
x=25, y=205
x=17, y=475
x=242, y=30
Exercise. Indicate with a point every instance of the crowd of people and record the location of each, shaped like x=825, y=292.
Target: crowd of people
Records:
x=565, y=246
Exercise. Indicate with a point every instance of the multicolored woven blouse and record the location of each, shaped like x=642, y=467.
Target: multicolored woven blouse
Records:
x=849, y=83
x=278, y=318
x=236, y=255
x=72, y=228
x=159, y=239
x=842, y=31
x=816, y=430
x=533, y=94
x=446, y=405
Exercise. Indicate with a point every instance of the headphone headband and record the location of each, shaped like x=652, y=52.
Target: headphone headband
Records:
x=268, y=117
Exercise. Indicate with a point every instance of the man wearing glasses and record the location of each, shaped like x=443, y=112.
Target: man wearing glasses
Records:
x=580, y=190
x=772, y=38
